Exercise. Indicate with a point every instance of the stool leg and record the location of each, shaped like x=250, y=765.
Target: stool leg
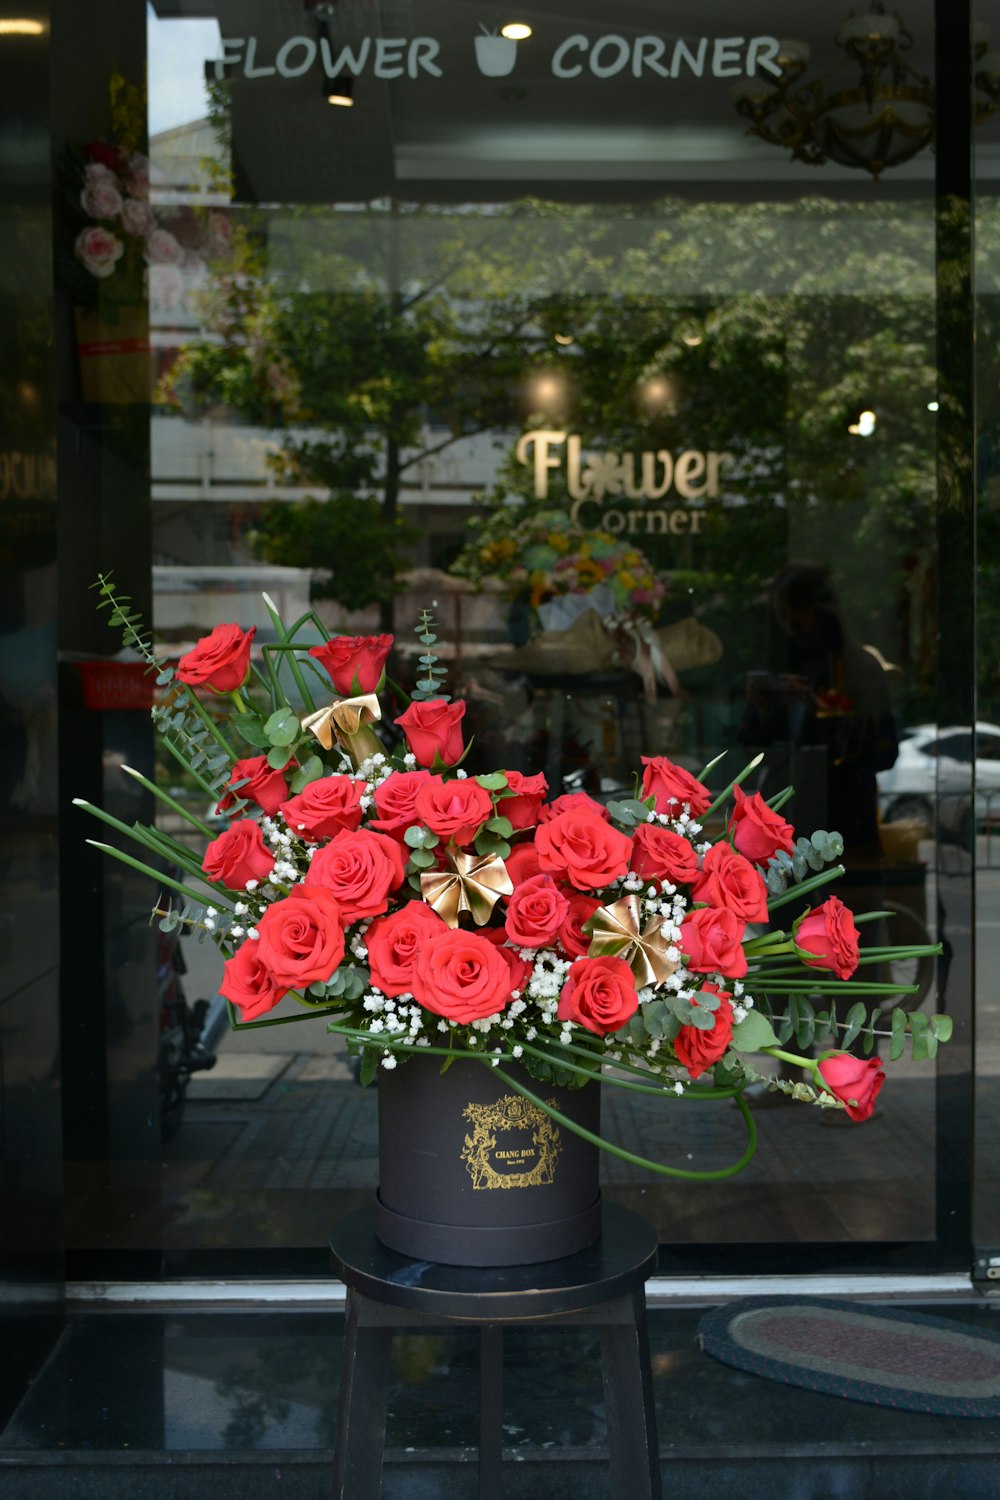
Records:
x=628, y=1399
x=490, y=1411
x=364, y=1377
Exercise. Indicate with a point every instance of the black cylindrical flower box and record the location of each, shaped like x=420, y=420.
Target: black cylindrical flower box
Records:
x=473, y=1174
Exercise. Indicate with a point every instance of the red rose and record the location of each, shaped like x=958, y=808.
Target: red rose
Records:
x=829, y=937
x=454, y=810
x=520, y=968
x=220, y=660
x=699, y=1049
x=394, y=799
x=856, y=1081
x=573, y=802
x=671, y=786
x=522, y=862
x=659, y=854
x=461, y=976
x=434, y=728
x=324, y=807
x=583, y=849
x=524, y=807
x=599, y=993
x=712, y=942
x=249, y=983
x=576, y=942
x=729, y=880
x=265, y=786
x=757, y=831
x=350, y=657
x=238, y=855
x=361, y=869
x=535, y=912
x=392, y=944
x=302, y=938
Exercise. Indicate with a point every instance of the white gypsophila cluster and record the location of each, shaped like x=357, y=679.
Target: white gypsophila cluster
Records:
x=410, y=761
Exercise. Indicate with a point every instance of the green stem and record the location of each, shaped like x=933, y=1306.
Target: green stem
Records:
x=210, y=723
x=636, y=1161
x=834, y=987
x=181, y=759
x=777, y=802
x=282, y=635
x=803, y=889
x=238, y=702
x=724, y=796
x=169, y=801
x=155, y=875
x=805, y=1063
x=768, y=946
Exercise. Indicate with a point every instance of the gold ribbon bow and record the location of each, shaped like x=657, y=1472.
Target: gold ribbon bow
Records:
x=345, y=719
x=474, y=884
x=614, y=933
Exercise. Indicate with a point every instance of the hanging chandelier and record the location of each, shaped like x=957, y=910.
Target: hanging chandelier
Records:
x=877, y=118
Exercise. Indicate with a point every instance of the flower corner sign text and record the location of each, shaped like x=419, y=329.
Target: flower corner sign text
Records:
x=577, y=56
x=595, y=478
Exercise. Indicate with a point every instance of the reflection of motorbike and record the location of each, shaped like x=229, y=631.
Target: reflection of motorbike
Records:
x=187, y=1032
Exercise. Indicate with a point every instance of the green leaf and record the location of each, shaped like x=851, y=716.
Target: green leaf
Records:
x=311, y=770
x=282, y=728
x=654, y=1017
x=369, y=1066
x=897, y=1042
x=854, y=1020
x=277, y=758
x=421, y=859
x=805, y=1028
x=753, y=1032
x=503, y=826
x=494, y=781
x=250, y=728
x=941, y=1028
x=414, y=836
x=921, y=1046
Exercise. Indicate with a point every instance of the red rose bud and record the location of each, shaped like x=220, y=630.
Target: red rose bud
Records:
x=262, y=784
x=350, y=657
x=828, y=939
x=434, y=728
x=535, y=912
x=698, y=1049
x=249, y=983
x=758, y=832
x=729, y=880
x=855, y=1081
x=524, y=807
x=671, y=786
x=454, y=810
x=461, y=976
x=599, y=994
x=712, y=941
x=324, y=807
x=220, y=661
x=238, y=855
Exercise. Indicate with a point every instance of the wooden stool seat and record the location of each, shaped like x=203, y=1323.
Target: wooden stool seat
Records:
x=601, y=1286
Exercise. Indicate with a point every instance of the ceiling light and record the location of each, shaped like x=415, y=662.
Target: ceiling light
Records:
x=865, y=425
x=565, y=339
x=339, y=91
x=21, y=28
x=691, y=337
x=878, y=119
x=932, y=406
x=516, y=31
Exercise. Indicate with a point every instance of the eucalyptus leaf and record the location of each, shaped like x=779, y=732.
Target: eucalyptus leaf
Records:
x=279, y=757
x=311, y=770
x=493, y=781
x=753, y=1032
x=854, y=1020
x=421, y=859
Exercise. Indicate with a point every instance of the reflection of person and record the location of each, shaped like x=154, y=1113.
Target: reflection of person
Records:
x=824, y=698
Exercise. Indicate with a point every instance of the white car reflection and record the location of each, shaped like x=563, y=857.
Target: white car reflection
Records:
x=932, y=780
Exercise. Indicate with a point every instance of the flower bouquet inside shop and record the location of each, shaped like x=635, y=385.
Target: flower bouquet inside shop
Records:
x=493, y=951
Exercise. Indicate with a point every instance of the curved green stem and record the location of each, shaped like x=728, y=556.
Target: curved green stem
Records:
x=686, y=1174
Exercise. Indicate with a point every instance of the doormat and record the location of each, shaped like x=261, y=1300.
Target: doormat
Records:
x=884, y=1356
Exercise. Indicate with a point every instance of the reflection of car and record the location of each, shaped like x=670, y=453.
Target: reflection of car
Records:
x=931, y=781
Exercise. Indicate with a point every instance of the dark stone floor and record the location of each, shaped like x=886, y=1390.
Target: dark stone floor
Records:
x=191, y=1405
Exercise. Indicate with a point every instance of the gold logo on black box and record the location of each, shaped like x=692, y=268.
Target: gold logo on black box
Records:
x=513, y=1144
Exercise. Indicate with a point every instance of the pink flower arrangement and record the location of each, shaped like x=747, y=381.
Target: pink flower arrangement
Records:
x=417, y=906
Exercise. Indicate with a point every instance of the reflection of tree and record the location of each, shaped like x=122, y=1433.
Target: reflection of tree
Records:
x=380, y=336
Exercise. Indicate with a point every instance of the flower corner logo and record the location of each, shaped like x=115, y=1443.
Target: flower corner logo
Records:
x=495, y=55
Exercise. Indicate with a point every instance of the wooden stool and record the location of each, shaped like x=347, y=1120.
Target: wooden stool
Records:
x=600, y=1287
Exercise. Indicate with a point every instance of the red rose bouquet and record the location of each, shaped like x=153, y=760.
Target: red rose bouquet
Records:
x=416, y=907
